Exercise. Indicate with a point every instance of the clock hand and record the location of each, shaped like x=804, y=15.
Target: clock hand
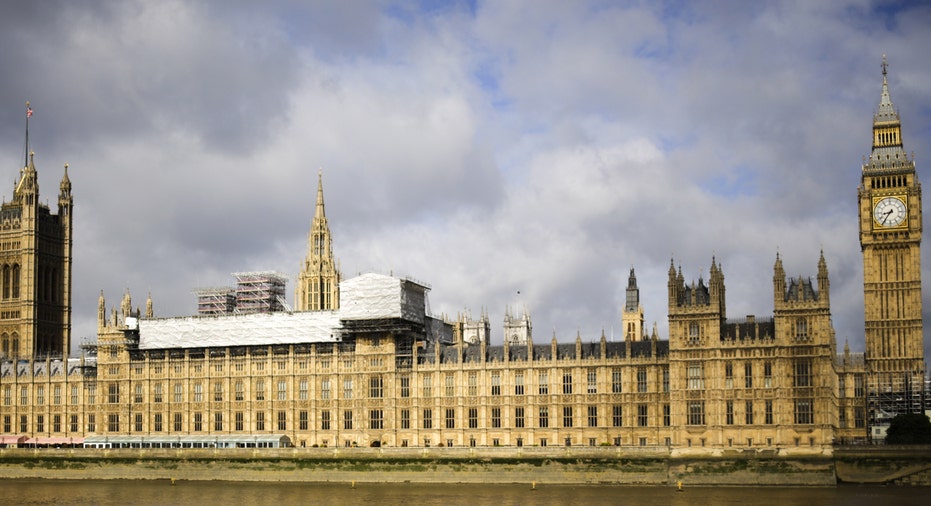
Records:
x=886, y=216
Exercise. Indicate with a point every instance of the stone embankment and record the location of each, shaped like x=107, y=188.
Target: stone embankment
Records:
x=565, y=465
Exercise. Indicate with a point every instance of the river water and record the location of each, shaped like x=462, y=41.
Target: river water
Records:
x=206, y=493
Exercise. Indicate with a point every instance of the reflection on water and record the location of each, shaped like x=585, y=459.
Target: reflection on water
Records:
x=205, y=493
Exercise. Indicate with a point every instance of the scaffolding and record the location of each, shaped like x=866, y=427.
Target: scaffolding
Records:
x=215, y=301
x=891, y=394
x=260, y=292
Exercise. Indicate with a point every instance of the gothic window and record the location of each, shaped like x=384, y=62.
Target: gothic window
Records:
x=803, y=412
x=302, y=390
x=748, y=375
x=6, y=282
x=641, y=379
x=450, y=385
x=567, y=416
x=802, y=372
x=696, y=412
x=728, y=375
x=592, y=381
x=616, y=382
x=325, y=389
x=347, y=388
x=801, y=329
x=376, y=387
x=567, y=382
x=405, y=386
x=376, y=419
x=14, y=289
x=695, y=381
x=693, y=332
x=427, y=386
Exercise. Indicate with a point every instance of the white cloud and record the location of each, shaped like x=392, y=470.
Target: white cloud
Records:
x=545, y=148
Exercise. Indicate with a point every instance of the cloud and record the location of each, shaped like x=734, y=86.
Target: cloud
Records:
x=484, y=148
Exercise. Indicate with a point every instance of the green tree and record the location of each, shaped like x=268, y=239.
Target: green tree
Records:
x=909, y=429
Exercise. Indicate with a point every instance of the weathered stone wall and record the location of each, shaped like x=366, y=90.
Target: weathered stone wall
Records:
x=884, y=464
x=468, y=465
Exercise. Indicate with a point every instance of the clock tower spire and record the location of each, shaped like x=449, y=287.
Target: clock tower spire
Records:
x=890, y=239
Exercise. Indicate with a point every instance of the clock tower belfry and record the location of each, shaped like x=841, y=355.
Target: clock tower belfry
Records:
x=890, y=239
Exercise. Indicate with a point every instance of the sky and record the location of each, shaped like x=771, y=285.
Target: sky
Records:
x=510, y=154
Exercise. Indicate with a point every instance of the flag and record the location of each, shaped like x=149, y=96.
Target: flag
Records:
x=28, y=111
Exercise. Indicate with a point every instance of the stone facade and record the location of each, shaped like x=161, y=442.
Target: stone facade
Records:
x=35, y=270
x=406, y=380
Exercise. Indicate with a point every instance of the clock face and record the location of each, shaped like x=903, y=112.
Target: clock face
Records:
x=889, y=212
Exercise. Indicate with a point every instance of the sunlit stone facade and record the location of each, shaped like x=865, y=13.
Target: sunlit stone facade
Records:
x=362, y=363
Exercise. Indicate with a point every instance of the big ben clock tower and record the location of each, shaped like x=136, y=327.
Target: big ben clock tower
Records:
x=890, y=238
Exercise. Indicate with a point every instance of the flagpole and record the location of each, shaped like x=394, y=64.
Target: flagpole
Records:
x=26, y=155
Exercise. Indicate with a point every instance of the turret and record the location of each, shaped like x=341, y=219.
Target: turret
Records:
x=101, y=311
x=779, y=282
x=824, y=284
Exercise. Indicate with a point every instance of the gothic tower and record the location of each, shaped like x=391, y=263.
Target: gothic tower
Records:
x=518, y=329
x=318, y=282
x=890, y=239
x=35, y=270
x=632, y=315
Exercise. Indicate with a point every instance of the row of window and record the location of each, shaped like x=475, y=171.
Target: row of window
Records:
x=803, y=415
x=802, y=378
x=803, y=412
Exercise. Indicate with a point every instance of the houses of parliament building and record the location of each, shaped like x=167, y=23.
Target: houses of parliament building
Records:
x=361, y=362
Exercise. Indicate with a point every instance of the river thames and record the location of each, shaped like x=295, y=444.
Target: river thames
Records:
x=206, y=493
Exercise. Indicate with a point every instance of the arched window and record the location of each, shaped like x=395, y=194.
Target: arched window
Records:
x=15, y=281
x=801, y=329
x=6, y=344
x=14, y=345
x=6, y=281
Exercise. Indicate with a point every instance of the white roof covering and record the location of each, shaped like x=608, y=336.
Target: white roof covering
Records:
x=374, y=296
x=238, y=330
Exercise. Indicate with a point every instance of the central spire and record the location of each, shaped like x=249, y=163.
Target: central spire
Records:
x=886, y=112
x=318, y=282
x=320, y=213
